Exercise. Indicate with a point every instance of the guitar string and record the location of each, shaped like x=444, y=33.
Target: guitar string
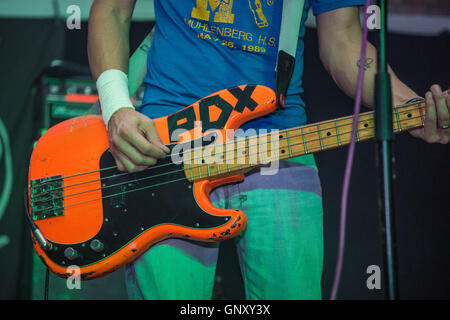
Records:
x=237, y=141
x=225, y=144
x=125, y=192
x=113, y=195
x=200, y=165
x=416, y=106
x=313, y=149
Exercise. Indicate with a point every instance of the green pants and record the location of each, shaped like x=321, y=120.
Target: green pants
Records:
x=280, y=251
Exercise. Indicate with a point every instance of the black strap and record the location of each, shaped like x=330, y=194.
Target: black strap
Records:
x=285, y=69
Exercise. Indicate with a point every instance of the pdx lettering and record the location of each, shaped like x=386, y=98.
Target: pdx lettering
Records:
x=186, y=119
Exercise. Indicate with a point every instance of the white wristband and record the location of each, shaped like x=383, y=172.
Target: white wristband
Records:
x=112, y=87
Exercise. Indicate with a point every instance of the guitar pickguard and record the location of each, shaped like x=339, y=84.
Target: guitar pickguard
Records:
x=135, y=203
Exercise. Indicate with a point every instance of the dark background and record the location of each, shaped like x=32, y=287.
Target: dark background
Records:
x=421, y=186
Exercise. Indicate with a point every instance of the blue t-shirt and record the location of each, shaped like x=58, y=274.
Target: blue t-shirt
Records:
x=203, y=46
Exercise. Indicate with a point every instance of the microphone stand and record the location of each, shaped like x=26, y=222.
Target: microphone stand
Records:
x=384, y=137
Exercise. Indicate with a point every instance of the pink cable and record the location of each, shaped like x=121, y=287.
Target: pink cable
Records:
x=349, y=164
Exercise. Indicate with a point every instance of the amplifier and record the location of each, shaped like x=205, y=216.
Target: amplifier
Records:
x=65, y=98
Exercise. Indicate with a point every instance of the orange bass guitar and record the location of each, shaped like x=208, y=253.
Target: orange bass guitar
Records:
x=85, y=212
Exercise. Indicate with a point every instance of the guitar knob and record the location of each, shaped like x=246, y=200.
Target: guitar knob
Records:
x=97, y=245
x=70, y=253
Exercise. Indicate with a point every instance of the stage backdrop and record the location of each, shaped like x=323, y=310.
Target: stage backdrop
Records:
x=421, y=186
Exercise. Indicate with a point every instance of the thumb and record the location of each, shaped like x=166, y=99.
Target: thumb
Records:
x=148, y=128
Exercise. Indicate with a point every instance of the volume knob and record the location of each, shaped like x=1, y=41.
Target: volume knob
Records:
x=70, y=253
x=97, y=245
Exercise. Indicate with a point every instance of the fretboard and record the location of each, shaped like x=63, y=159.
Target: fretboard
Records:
x=244, y=153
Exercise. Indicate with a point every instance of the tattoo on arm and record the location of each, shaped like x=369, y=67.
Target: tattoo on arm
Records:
x=367, y=64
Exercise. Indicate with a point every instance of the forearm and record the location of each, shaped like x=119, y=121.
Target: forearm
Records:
x=340, y=39
x=108, y=38
x=344, y=67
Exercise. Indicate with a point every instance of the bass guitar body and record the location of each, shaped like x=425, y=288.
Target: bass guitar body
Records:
x=99, y=219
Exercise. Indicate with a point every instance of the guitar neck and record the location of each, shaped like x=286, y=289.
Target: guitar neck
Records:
x=336, y=133
x=244, y=153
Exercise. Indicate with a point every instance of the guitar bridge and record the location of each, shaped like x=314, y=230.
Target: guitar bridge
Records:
x=47, y=197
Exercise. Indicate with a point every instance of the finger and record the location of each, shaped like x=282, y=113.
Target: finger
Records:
x=445, y=133
x=127, y=163
x=149, y=130
x=418, y=133
x=119, y=163
x=447, y=98
x=144, y=146
x=443, y=116
x=134, y=155
x=430, y=130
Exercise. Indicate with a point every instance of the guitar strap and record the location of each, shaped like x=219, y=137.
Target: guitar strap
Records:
x=137, y=66
x=291, y=18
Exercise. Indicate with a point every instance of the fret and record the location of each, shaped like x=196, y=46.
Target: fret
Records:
x=398, y=120
x=276, y=147
x=260, y=151
x=337, y=132
x=217, y=155
x=357, y=135
x=238, y=154
x=303, y=138
x=248, y=153
x=218, y=167
x=320, y=136
x=190, y=169
x=200, y=171
x=252, y=149
x=289, y=143
x=230, y=150
x=421, y=115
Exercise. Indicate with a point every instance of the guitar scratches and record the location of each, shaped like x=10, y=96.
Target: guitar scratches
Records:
x=72, y=125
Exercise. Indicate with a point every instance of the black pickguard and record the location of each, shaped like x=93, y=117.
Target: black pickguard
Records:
x=134, y=203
